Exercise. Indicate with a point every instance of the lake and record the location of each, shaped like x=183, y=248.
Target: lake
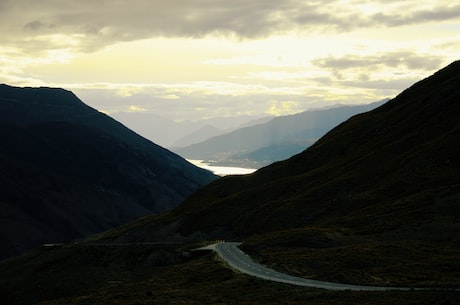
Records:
x=223, y=170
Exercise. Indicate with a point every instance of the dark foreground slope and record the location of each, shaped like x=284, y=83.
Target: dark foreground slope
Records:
x=376, y=200
x=68, y=170
x=395, y=168
x=159, y=274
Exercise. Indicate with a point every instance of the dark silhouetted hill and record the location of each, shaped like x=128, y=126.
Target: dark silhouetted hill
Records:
x=403, y=153
x=377, y=199
x=67, y=170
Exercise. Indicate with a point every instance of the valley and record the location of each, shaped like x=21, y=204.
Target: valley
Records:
x=374, y=203
x=210, y=152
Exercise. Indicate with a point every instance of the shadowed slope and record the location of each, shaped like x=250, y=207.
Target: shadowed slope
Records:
x=389, y=169
x=375, y=201
x=68, y=170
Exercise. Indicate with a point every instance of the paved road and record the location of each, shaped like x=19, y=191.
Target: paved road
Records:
x=239, y=260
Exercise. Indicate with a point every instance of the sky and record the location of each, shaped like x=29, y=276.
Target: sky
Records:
x=195, y=59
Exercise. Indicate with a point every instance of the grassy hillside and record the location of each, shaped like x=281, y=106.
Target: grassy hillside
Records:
x=69, y=171
x=153, y=274
x=374, y=202
x=387, y=179
x=391, y=169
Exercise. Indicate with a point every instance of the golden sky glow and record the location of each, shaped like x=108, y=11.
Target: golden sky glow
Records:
x=193, y=59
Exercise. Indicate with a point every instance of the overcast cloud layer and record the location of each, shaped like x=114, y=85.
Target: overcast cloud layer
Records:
x=101, y=23
x=225, y=57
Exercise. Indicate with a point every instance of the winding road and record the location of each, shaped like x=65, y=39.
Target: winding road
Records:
x=240, y=261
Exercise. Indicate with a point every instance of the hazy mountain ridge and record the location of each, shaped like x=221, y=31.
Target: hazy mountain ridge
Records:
x=202, y=134
x=259, y=145
x=169, y=133
x=69, y=171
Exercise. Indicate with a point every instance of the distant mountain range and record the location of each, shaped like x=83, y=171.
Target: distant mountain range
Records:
x=277, y=139
x=202, y=134
x=67, y=170
x=169, y=133
x=377, y=199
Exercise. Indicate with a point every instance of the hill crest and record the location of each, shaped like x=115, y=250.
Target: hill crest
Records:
x=69, y=171
x=390, y=174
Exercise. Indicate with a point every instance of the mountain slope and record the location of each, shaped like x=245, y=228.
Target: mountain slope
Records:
x=68, y=171
x=250, y=146
x=402, y=149
x=169, y=133
x=376, y=200
x=202, y=134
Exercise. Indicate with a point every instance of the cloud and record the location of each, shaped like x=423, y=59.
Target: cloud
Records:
x=382, y=84
x=201, y=99
x=134, y=108
x=284, y=108
x=387, y=73
x=442, y=12
x=38, y=25
x=229, y=56
x=451, y=45
x=170, y=97
x=101, y=23
x=397, y=59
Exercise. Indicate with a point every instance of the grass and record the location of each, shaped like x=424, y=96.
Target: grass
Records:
x=340, y=256
x=146, y=274
x=206, y=280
